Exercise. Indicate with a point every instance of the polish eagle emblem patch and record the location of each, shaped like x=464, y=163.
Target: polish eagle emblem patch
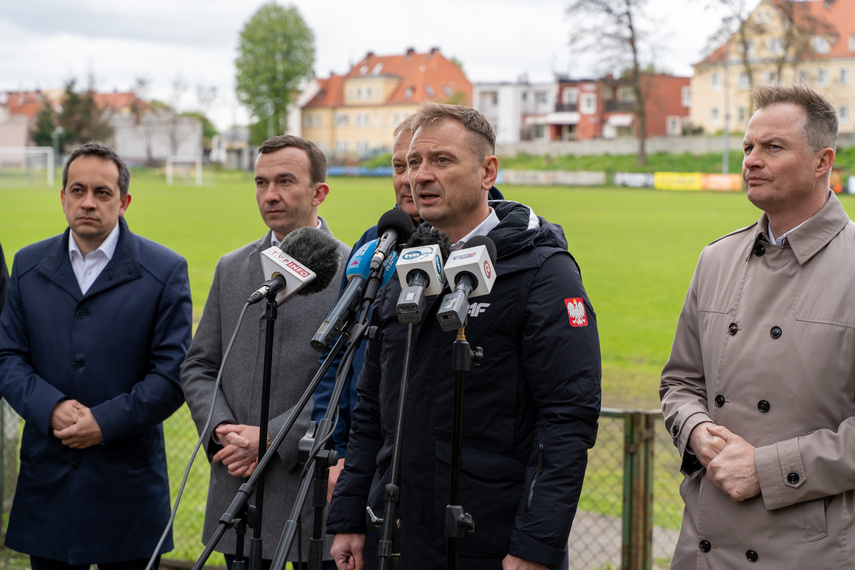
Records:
x=576, y=312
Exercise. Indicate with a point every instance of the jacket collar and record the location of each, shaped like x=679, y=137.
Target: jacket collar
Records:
x=814, y=234
x=124, y=266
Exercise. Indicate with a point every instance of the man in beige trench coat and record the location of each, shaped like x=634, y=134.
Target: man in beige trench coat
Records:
x=759, y=390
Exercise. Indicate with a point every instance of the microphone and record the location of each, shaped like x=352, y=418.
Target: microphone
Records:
x=419, y=270
x=393, y=225
x=358, y=270
x=472, y=273
x=309, y=267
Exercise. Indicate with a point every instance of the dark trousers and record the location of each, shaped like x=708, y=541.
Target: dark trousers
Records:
x=37, y=563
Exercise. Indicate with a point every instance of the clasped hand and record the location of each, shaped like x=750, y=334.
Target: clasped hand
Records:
x=728, y=459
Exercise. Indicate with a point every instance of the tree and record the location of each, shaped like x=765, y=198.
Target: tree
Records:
x=276, y=54
x=611, y=29
x=80, y=117
x=43, y=128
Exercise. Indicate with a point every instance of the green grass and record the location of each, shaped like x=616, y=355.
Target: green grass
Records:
x=637, y=250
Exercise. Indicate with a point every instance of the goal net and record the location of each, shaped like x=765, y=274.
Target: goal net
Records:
x=187, y=168
x=26, y=166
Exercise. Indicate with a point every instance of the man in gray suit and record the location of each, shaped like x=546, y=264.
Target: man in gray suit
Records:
x=290, y=175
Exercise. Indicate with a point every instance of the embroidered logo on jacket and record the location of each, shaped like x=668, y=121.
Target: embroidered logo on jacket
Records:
x=576, y=312
x=476, y=309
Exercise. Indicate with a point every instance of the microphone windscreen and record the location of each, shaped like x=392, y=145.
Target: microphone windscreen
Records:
x=486, y=242
x=318, y=251
x=397, y=220
x=426, y=234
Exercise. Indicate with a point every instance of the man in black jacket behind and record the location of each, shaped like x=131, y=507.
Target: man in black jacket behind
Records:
x=531, y=406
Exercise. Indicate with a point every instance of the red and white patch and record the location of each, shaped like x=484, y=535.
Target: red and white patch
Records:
x=576, y=312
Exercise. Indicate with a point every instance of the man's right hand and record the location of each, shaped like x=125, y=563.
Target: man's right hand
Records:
x=705, y=445
x=64, y=414
x=347, y=551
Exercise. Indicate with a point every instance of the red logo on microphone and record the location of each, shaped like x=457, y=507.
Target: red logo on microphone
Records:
x=297, y=268
x=487, y=269
x=576, y=312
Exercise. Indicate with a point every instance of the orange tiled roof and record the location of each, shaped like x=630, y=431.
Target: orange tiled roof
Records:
x=421, y=77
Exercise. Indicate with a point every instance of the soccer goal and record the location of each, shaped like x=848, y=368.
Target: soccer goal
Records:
x=183, y=165
x=26, y=166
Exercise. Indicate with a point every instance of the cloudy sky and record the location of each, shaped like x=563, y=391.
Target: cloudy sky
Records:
x=45, y=42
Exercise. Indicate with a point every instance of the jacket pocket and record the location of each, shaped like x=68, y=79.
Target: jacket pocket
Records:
x=816, y=524
x=491, y=487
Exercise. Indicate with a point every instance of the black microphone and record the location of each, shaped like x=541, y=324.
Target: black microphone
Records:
x=394, y=226
x=472, y=274
x=305, y=263
x=420, y=271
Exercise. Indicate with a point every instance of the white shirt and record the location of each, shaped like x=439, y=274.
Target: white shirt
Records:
x=482, y=229
x=274, y=242
x=87, y=269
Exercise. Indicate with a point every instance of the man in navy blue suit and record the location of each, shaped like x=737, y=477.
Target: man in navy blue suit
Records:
x=95, y=326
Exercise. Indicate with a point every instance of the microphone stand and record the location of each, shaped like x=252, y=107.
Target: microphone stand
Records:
x=237, y=509
x=387, y=548
x=457, y=521
x=320, y=467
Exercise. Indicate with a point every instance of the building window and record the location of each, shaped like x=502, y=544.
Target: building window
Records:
x=570, y=96
x=804, y=76
x=377, y=69
x=714, y=115
x=318, y=119
x=741, y=114
x=776, y=45
x=589, y=103
x=341, y=120
x=686, y=96
x=626, y=95
x=822, y=77
x=852, y=42
x=844, y=76
x=744, y=83
x=307, y=122
x=341, y=147
x=448, y=91
x=409, y=92
x=540, y=97
x=674, y=128
x=843, y=114
x=715, y=81
x=821, y=45
x=429, y=91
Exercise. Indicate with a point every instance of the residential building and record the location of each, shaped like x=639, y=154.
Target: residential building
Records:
x=142, y=133
x=604, y=108
x=821, y=52
x=518, y=111
x=352, y=116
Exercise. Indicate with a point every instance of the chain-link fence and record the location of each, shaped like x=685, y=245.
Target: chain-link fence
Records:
x=629, y=514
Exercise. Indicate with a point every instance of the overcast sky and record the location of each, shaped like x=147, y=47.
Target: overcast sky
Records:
x=45, y=42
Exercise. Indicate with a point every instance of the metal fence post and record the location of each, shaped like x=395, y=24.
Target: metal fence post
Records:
x=636, y=549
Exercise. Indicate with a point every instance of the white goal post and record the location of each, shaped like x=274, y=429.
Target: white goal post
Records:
x=28, y=158
x=179, y=159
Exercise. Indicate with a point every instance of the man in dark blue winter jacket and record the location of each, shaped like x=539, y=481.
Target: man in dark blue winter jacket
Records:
x=531, y=407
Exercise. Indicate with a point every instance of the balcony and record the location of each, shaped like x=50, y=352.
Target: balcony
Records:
x=566, y=107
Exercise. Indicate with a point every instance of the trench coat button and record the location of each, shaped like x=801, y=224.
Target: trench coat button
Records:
x=675, y=429
x=763, y=406
x=751, y=555
x=776, y=332
x=81, y=313
x=719, y=400
x=78, y=363
x=733, y=328
x=759, y=250
x=76, y=465
x=705, y=546
x=793, y=478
